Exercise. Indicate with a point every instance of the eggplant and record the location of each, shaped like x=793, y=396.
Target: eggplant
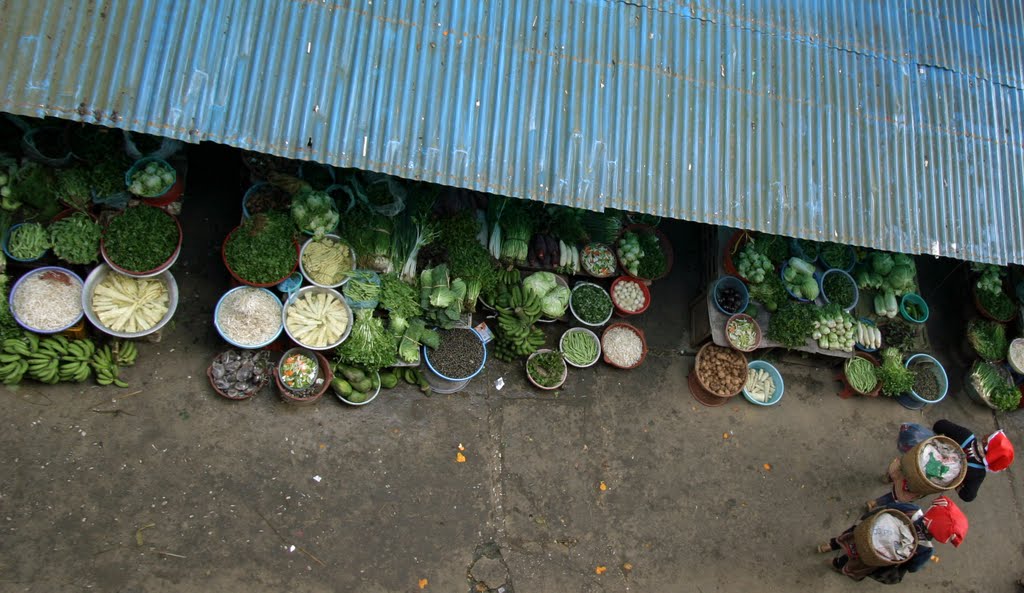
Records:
x=540, y=248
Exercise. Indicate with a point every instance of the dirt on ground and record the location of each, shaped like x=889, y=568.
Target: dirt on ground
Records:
x=618, y=482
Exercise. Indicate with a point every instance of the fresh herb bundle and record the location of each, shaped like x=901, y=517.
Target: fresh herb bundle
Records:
x=895, y=378
x=838, y=289
x=997, y=303
x=399, y=298
x=995, y=386
x=141, y=238
x=774, y=247
x=792, y=324
x=262, y=250
x=76, y=239
x=808, y=250
x=654, y=263
x=369, y=345
x=769, y=293
x=988, y=338
x=467, y=258
x=834, y=255
x=546, y=368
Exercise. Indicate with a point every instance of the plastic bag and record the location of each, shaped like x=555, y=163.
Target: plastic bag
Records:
x=168, y=148
x=911, y=434
x=382, y=194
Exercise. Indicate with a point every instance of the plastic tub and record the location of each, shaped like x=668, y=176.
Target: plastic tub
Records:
x=155, y=271
x=37, y=271
x=1009, y=356
x=853, y=283
x=574, y=314
x=916, y=299
x=565, y=371
x=928, y=363
x=216, y=320
x=643, y=288
x=316, y=289
x=776, y=377
x=7, y=252
x=782, y=276
x=169, y=194
x=443, y=384
x=309, y=279
x=597, y=341
x=730, y=282
x=99, y=273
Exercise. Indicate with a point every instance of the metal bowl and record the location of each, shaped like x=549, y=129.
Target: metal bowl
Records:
x=316, y=290
x=309, y=278
x=97, y=276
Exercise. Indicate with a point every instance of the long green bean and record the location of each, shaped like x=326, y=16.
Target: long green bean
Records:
x=580, y=348
x=861, y=374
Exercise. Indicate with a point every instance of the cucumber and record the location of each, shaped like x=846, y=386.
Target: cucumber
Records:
x=388, y=380
x=341, y=387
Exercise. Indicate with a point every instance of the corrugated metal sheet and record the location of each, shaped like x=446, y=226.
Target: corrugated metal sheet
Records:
x=886, y=124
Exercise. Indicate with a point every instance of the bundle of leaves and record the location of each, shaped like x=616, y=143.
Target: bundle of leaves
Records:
x=466, y=256
x=76, y=239
x=769, y=293
x=262, y=250
x=141, y=238
x=774, y=247
x=894, y=378
x=368, y=345
x=988, y=338
x=792, y=324
x=998, y=304
x=440, y=297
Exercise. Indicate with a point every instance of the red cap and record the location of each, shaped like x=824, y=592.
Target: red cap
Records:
x=998, y=452
x=946, y=522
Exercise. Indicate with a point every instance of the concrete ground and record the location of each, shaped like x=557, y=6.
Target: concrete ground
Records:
x=167, y=487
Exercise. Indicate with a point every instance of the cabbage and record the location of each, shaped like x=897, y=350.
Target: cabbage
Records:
x=882, y=263
x=554, y=304
x=900, y=277
x=809, y=289
x=540, y=283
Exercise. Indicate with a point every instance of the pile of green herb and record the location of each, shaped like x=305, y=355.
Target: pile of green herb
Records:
x=369, y=345
x=807, y=250
x=792, y=324
x=399, y=298
x=546, y=368
x=774, y=247
x=653, y=264
x=590, y=303
x=769, y=293
x=467, y=258
x=76, y=239
x=75, y=187
x=834, y=255
x=995, y=386
x=899, y=334
x=988, y=338
x=369, y=234
x=262, y=250
x=894, y=378
x=141, y=238
x=998, y=304
x=36, y=187
x=567, y=224
x=838, y=289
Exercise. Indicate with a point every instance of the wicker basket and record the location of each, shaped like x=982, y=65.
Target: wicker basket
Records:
x=700, y=356
x=325, y=373
x=917, y=481
x=862, y=537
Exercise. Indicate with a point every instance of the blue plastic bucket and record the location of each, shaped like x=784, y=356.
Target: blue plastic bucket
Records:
x=36, y=272
x=442, y=384
x=934, y=367
x=7, y=252
x=216, y=320
x=776, y=377
x=824, y=295
x=730, y=282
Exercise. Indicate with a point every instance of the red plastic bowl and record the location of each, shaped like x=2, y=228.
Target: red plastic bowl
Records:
x=643, y=288
x=239, y=279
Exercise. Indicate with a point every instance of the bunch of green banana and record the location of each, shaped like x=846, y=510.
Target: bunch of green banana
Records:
x=44, y=363
x=509, y=276
x=74, y=364
x=499, y=293
x=126, y=353
x=517, y=335
x=14, y=357
x=105, y=365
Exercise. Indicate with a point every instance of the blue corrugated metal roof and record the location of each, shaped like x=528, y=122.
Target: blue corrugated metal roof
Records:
x=894, y=125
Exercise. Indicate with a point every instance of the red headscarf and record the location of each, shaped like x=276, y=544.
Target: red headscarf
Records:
x=998, y=452
x=946, y=522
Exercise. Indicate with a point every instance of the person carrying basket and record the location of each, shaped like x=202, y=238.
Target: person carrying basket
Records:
x=943, y=522
x=993, y=453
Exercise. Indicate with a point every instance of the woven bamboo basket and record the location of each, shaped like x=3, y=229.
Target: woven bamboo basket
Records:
x=917, y=481
x=862, y=537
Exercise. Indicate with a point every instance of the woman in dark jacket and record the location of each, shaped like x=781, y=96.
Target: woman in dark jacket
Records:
x=943, y=521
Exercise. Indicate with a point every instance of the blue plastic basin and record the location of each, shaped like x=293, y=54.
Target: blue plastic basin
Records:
x=775, y=375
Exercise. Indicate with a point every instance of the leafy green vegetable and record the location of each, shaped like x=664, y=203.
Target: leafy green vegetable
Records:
x=792, y=324
x=995, y=386
x=834, y=255
x=567, y=223
x=988, y=338
x=899, y=334
x=314, y=212
x=467, y=258
x=997, y=304
x=440, y=297
x=591, y=303
x=262, y=249
x=76, y=239
x=369, y=345
x=399, y=298
x=141, y=238
x=807, y=250
x=895, y=378
x=546, y=368
x=153, y=180
x=770, y=293
x=36, y=186
x=838, y=289
x=774, y=247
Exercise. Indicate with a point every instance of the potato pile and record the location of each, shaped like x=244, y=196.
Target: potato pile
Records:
x=722, y=371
